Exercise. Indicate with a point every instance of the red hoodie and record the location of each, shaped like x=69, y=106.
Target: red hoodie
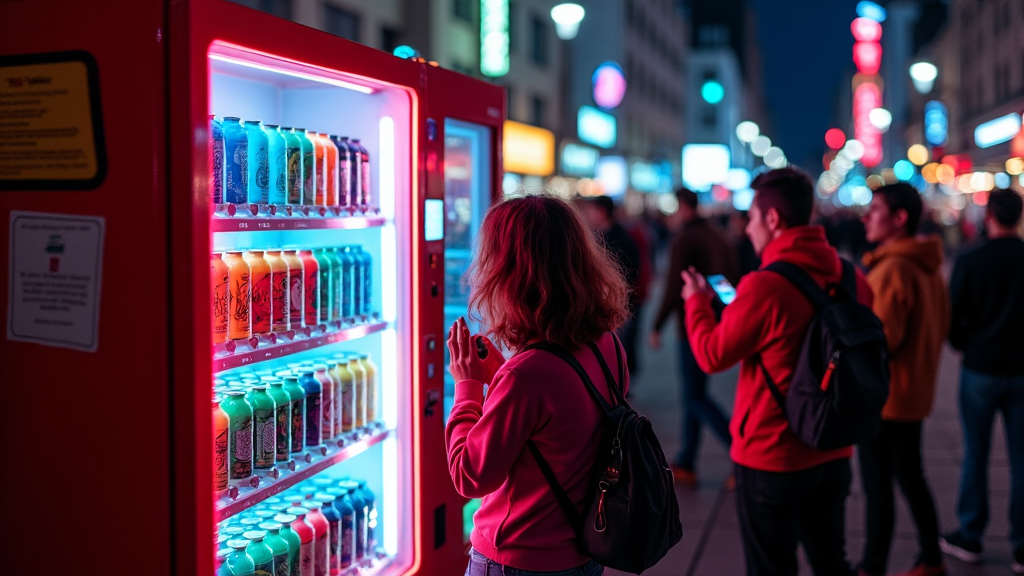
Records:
x=535, y=396
x=769, y=317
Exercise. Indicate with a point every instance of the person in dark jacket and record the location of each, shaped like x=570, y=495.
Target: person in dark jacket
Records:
x=600, y=214
x=987, y=292
x=704, y=247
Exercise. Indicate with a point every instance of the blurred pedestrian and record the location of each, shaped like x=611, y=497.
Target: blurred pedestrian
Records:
x=987, y=290
x=701, y=246
x=911, y=300
x=538, y=275
x=787, y=493
x=600, y=214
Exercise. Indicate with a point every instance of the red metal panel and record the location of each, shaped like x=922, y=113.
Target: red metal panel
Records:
x=456, y=96
x=87, y=433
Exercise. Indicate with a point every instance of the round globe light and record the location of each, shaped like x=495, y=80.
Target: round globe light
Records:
x=747, y=131
x=854, y=150
x=567, y=19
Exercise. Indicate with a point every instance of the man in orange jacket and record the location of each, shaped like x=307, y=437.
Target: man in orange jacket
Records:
x=911, y=301
x=787, y=493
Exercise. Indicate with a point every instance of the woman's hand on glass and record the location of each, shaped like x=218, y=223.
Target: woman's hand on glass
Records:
x=465, y=350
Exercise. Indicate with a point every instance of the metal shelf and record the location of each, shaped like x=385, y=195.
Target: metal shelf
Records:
x=279, y=223
x=238, y=353
x=285, y=476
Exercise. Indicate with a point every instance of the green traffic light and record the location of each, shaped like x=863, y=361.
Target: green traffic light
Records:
x=712, y=91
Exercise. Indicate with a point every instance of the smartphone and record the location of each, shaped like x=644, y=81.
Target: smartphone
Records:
x=726, y=293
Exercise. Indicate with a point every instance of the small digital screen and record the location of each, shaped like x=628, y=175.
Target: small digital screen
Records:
x=433, y=220
x=722, y=287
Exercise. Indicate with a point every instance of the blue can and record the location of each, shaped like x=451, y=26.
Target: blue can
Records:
x=259, y=165
x=358, y=282
x=216, y=161
x=276, y=150
x=314, y=411
x=236, y=161
x=367, y=277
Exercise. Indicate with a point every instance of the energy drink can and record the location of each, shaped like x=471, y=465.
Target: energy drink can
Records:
x=276, y=161
x=258, y=164
x=236, y=161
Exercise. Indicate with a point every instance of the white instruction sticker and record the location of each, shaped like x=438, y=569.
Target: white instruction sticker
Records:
x=53, y=292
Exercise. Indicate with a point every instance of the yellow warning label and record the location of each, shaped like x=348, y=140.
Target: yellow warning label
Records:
x=46, y=124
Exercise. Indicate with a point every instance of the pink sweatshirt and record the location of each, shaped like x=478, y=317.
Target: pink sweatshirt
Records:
x=537, y=396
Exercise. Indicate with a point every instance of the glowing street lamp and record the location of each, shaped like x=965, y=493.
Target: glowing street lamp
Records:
x=567, y=19
x=747, y=131
x=923, y=74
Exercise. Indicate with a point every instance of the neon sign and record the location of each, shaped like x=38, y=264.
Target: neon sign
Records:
x=494, y=39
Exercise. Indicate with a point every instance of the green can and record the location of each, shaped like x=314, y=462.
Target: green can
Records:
x=293, y=162
x=265, y=433
x=261, y=554
x=278, y=547
x=308, y=168
x=239, y=563
x=293, y=540
x=336, y=282
x=240, y=451
x=283, y=417
x=326, y=264
x=298, y=412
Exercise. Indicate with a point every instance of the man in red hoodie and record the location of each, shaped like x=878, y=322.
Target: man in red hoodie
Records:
x=787, y=493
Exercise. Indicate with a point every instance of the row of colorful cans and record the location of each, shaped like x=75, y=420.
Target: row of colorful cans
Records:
x=257, y=292
x=262, y=420
x=324, y=525
x=257, y=163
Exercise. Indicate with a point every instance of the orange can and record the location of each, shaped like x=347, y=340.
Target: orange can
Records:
x=238, y=296
x=219, y=280
x=331, y=178
x=260, y=276
x=280, y=318
x=296, y=297
x=320, y=157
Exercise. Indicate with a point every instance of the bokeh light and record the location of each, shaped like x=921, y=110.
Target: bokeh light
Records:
x=747, y=131
x=760, y=145
x=774, y=156
x=712, y=92
x=1002, y=180
x=1015, y=166
x=903, y=170
x=918, y=154
x=881, y=119
x=854, y=150
x=930, y=172
x=944, y=174
x=875, y=181
x=835, y=138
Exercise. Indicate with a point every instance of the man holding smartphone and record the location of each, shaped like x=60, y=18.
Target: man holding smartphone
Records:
x=787, y=493
x=701, y=246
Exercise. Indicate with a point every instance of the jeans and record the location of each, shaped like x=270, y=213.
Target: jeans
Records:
x=480, y=565
x=896, y=453
x=780, y=510
x=698, y=409
x=981, y=396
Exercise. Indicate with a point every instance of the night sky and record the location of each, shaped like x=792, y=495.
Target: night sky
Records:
x=805, y=47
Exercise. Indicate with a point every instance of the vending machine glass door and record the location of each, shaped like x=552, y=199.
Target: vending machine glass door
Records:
x=467, y=194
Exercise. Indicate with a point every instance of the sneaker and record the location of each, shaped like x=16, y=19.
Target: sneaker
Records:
x=923, y=569
x=1018, y=561
x=961, y=548
x=684, y=477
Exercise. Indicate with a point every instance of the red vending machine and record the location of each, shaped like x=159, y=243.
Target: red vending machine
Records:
x=226, y=273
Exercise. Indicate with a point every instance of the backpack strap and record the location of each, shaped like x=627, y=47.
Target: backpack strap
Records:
x=803, y=282
x=614, y=389
x=780, y=398
x=573, y=515
x=849, y=281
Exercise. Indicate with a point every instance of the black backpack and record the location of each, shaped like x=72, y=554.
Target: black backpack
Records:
x=630, y=515
x=841, y=382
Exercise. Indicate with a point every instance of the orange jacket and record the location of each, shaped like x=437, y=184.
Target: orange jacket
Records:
x=912, y=302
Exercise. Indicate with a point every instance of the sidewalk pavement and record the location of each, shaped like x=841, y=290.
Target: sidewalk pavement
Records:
x=711, y=539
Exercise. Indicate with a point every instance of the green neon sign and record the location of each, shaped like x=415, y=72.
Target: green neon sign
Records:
x=494, y=39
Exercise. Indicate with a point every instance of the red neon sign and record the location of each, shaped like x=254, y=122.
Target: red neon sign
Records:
x=866, y=97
